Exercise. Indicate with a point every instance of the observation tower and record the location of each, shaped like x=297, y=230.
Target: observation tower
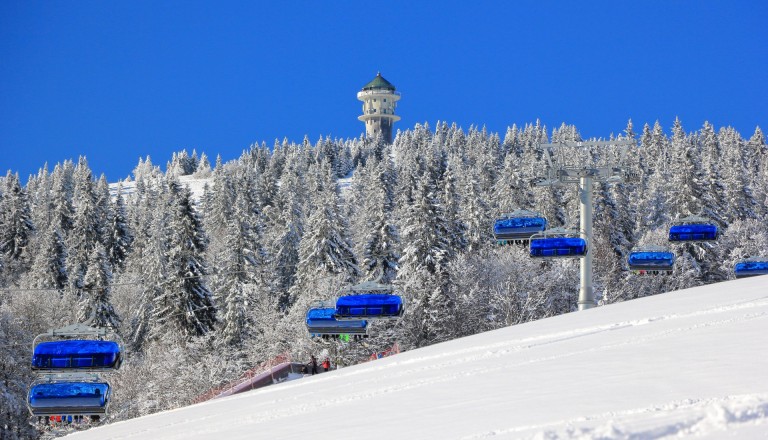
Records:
x=379, y=101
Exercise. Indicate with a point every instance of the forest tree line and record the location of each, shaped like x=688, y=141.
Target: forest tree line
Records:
x=202, y=287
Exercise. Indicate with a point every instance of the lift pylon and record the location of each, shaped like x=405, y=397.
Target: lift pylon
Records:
x=582, y=163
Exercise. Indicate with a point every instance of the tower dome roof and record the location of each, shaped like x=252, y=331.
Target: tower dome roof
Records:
x=379, y=83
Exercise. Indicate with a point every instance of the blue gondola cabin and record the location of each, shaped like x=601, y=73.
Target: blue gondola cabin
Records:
x=322, y=322
x=369, y=306
x=517, y=228
x=69, y=398
x=76, y=354
x=751, y=268
x=558, y=247
x=651, y=261
x=693, y=232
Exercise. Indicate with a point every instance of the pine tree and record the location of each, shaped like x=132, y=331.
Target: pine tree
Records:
x=40, y=200
x=193, y=162
x=203, y=170
x=325, y=249
x=424, y=233
x=712, y=198
x=146, y=170
x=512, y=145
x=145, y=208
x=356, y=198
x=474, y=213
x=644, y=163
x=380, y=241
x=511, y=192
x=327, y=150
x=248, y=190
x=615, y=218
x=85, y=229
x=16, y=225
x=685, y=188
x=613, y=222
x=231, y=290
x=484, y=156
x=423, y=273
x=286, y=227
x=49, y=269
x=104, y=212
x=185, y=307
x=758, y=169
x=736, y=183
x=344, y=165
x=97, y=308
x=451, y=199
x=222, y=201
x=182, y=164
x=120, y=235
x=756, y=152
x=243, y=262
x=62, y=210
x=152, y=256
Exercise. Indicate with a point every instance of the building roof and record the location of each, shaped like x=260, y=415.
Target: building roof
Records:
x=379, y=83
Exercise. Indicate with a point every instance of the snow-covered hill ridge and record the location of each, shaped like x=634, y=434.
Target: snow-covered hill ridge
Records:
x=197, y=185
x=686, y=363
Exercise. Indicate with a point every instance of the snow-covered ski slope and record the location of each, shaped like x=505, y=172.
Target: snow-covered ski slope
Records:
x=197, y=185
x=687, y=363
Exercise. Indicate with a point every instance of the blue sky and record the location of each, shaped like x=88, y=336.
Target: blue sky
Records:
x=116, y=81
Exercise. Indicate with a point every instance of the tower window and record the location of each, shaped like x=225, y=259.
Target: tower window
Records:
x=385, y=99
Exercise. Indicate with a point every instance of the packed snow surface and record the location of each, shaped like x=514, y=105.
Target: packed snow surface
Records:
x=687, y=363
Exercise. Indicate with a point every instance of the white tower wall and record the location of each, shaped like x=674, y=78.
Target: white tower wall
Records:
x=379, y=102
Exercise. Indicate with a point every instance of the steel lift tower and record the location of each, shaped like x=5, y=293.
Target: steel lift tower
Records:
x=583, y=163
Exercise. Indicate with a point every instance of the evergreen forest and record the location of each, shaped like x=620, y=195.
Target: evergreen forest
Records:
x=201, y=286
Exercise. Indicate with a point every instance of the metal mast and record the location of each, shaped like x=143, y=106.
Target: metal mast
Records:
x=582, y=163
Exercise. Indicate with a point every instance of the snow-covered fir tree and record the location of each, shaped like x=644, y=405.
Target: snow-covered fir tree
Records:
x=85, y=231
x=185, y=306
x=203, y=170
x=149, y=260
x=423, y=266
x=120, y=234
x=16, y=226
x=286, y=227
x=452, y=200
x=325, y=249
x=735, y=178
x=241, y=276
x=474, y=212
x=96, y=307
x=380, y=240
x=49, y=267
x=62, y=188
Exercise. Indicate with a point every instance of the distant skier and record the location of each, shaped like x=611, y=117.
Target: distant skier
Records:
x=313, y=364
x=326, y=364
